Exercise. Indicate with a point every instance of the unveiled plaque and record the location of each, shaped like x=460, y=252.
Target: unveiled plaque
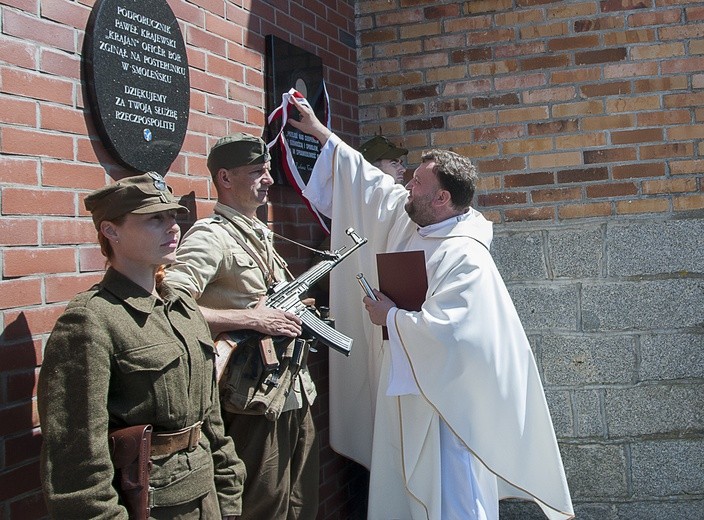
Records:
x=136, y=74
x=290, y=67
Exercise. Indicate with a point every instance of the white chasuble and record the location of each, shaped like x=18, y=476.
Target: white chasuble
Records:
x=469, y=357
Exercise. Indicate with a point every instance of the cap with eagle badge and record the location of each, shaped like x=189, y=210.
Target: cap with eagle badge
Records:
x=146, y=193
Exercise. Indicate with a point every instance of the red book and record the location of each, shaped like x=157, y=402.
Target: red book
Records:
x=402, y=277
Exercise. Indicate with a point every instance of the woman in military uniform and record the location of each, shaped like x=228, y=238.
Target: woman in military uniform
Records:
x=131, y=351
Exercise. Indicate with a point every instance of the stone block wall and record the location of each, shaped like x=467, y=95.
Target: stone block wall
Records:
x=614, y=312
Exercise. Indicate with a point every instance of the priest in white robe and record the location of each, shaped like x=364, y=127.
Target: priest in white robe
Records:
x=449, y=415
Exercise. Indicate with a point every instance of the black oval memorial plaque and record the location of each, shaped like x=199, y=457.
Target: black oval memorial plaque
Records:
x=136, y=73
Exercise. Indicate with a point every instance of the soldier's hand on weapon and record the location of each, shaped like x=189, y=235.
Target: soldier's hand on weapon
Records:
x=275, y=322
x=309, y=122
x=378, y=309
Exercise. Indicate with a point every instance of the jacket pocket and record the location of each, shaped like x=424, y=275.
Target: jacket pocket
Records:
x=155, y=378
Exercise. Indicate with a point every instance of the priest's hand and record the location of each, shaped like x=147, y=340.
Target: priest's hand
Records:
x=309, y=122
x=378, y=309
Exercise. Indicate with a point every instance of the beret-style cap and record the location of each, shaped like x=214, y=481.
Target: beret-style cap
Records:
x=379, y=147
x=146, y=193
x=239, y=149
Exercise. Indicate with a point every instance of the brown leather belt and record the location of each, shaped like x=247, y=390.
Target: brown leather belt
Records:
x=168, y=443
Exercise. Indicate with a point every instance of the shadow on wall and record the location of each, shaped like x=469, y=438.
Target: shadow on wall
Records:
x=19, y=423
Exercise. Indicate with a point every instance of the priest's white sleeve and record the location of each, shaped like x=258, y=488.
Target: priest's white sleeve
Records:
x=318, y=190
x=401, y=380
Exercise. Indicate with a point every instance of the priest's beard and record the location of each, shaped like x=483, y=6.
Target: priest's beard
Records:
x=420, y=210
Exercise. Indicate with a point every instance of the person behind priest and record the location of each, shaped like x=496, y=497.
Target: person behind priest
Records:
x=386, y=156
x=227, y=262
x=132, y=351
x=450, y=415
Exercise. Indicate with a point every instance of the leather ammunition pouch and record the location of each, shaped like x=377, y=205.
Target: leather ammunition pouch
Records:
x=248, y=388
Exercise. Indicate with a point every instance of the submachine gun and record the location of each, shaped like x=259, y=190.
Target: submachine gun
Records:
x=286, y=296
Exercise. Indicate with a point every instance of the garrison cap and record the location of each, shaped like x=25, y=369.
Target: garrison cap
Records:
x=239, y=149
x=146, y=193
x=379, y=147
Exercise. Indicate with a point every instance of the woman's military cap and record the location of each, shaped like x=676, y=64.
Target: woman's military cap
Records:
x=146, y=193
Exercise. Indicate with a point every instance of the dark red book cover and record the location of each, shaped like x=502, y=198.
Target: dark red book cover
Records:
x=402, y=277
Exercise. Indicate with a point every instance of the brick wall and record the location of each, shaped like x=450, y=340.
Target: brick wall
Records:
x=569, y=109
x=52, y=156
x=584, y=119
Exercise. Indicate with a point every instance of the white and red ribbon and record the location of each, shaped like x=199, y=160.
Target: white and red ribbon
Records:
x=282, y=112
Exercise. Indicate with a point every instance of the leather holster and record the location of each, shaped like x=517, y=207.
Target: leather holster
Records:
x=130, y=449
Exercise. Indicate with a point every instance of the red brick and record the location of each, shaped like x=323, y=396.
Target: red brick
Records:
x=671, y=16
x=600, y=56
x=18, y=112
x=583, y=175
x=73, y=175
x=63, y=119
x=61, y=64
x=31, y=142
x=516, y=82
x=20, y=53
x=599, y=191
x=31, y=28
x=664, y=151
x=498, y=133
x=553, y=127
x=501, y=165
x=686, y=167
x=502, y=199
x=574, y=42
x=420, y=92
x=20, y=480
x=664, y=118
x=597, y=209
x=638, y=170
x=688, y=203
x=598, y=24
x=433, y=123
x=606, y=89
x=637, y=136
x=529, y=179
x=20, y=293
x=609, y=155
x=529, y=214
x=18, y=201
x=67, y=13
x=661, y=84
x=63, y=288
x=628, y=207
x=676, y=66
x=680, y=185
x=26, y=354
x=545, y=62
x=67, y=231
x=556, y=195
x=37, y=86
x=21, y=385
x=23, y=262
x=34, y=320
x=91, y=259
x=18, y=232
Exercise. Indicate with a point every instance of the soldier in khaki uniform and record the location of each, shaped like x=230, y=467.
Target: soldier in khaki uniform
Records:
x=133, y=351
x=227, y=262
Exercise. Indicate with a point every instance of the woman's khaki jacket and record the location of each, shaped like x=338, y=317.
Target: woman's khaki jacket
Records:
x=119, y=356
